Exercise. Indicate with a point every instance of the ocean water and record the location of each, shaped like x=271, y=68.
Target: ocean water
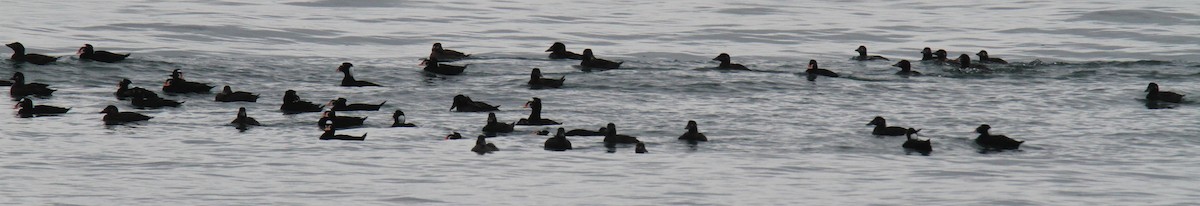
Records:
x=1074, y=93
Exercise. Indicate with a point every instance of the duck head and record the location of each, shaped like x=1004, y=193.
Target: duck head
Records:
x=492, y=118
x=536, y=102
x=812, y=64
x=561, y=133
x=587, y=54
x=878, y=120
x=345, y=67
x=964, y=61
x=983, y=129
x=16, y=47
x=640, y=148
x=18, y=78
x=24, y=103
x=176, y=74
x=460, y=100
x=227, y=90
x=982, y=55
x=557, y=47
x=862, y=50
x=398, y=117
x=1152, y=88
x=904, y=65
x=290, y=96
x=723, y=58
x=124, y=84
x=110, y=109
x=611, y=130
x=241, y=113
x=691, y=127
x=940, y=54
x=535, y=74
x=437, y=47
x=926, y=52
x=86, y=49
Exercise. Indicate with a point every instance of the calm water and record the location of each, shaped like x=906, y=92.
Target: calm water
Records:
x=1074, y=93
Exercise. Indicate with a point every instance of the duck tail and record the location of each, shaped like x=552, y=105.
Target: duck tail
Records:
x=381, y=103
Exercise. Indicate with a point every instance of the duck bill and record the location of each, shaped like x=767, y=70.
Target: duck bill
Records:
x=526, y=104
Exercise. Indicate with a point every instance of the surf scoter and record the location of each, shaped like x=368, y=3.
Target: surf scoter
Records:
x=432, y=66
x=927, y=54
x=591, y=62
x=114, y=117
x=537, y=82
x=559, y=142
x=964, y=62
x=292, y=104
x=19, y=55
x=693, y=133
x=331, y=134
x=26, y=109
x=495, y=126
x=996, y=142
x=445, y=55
x=862, y=55
x=348, y=79
x=21, y=89
x=725, y=63
x=559, y=51
x=177, y=84
x=881, y=128
x=915, y=144
x=340, y=104
x=905, y=68
x=228, y=95
x=398, y=120
x=535, y=116
x=465, y=104
x=813, y=71
x=1153, y=94
x=125, y=92
x=613, y=137
x=243, y=121
x=983, y=58
x=483, y=147
x=88, y=52
x=583, y=132
x=339, y=122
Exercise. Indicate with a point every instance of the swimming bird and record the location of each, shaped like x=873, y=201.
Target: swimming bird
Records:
x=445, y=55
x=26, y=109
x=983, y=58
x=495, y=126
x=152, y=101
x=21, y=89
x=114, y=117
x=292, y=104
x=19, y=55
x=862, y=55
x=640, y=148
x=483, y=147
x=964, y=62
x=348, y=79
x=124, y=92
x=177, y=84
x=537, y=82
x=432, y=66
x=918, y=145
x=454, y=135
x=927, y=54
x=339, y=104
x=559, y=51
x=613, y=137
x=813, y=71
x=1155, y=95
x=590, y=61
x=339, y=122
x=331, y=134
x=228, y=95
x=693, y=133
x=583, y=132
x=465, y=104
x=905, y=68
x=88, y=52
x=398, y=120
x=535, y=116
x=881, y=128
x=243, y=121
x=725, y=63
x=559, y=142
x=997, y=142
x=941, y=57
